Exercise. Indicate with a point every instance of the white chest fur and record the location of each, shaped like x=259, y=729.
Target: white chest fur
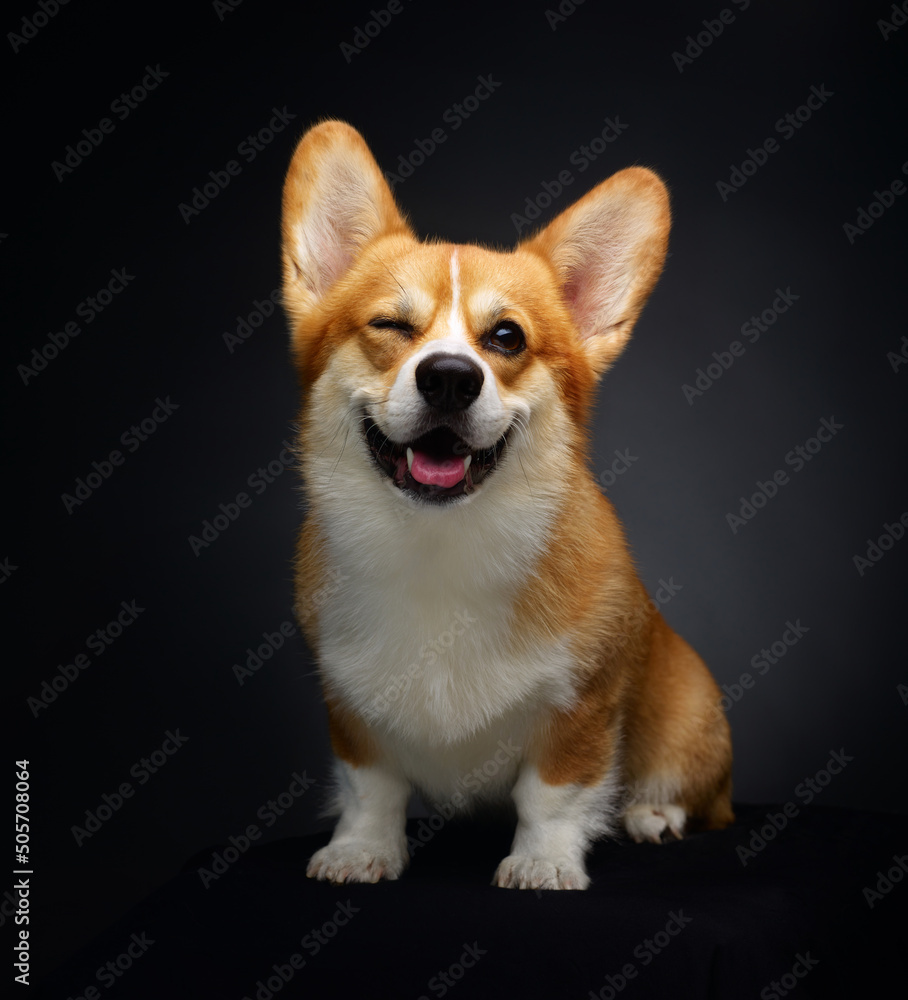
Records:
x=420, y=637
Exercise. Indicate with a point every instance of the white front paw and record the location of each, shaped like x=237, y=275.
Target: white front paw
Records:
x=357, y=861
x=519, y=871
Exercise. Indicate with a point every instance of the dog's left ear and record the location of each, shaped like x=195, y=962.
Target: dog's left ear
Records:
x=336, y=200
x=608, y=250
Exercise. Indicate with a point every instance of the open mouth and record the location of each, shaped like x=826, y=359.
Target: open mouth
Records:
x=437, y=466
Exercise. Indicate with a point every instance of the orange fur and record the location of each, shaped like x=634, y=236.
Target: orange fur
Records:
x=350, y=737
x=367, y=301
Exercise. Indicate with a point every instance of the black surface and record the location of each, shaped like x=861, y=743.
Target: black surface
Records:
x=733, y=928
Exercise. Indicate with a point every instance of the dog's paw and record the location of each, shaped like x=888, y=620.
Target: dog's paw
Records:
x=655, y=823
x=356, y=861
x=518, y=871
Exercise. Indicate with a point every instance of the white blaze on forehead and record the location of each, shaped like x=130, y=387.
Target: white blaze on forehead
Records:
x=457, y=325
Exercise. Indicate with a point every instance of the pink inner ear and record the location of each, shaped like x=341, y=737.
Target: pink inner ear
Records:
x=586, y=294
x=328, y=258
x=573, y=294
x=333, y=263
x=572, y=291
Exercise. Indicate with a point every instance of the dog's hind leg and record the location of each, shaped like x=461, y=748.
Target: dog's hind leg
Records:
x=678, y=752
x=651, y=815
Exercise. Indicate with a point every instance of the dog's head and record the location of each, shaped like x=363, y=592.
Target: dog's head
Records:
x=446, y=366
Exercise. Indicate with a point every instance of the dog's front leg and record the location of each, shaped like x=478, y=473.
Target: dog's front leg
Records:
x=555, y=826
x=369, y=841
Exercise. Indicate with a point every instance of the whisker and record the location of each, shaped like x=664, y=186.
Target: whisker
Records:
x=340, y=456
x=524, y=471
x=330, y=442
x=521, y=423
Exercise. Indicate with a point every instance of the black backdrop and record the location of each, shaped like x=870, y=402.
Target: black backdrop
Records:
x=183, y=335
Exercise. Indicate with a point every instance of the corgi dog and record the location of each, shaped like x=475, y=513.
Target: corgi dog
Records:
x=466, y=589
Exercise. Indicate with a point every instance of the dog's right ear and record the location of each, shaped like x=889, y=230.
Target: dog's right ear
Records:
x=335, y=201
x=608, y=249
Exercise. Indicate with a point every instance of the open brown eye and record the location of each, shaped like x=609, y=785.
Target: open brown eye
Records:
x=507, y=337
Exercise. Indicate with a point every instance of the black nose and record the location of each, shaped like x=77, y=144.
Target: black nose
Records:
x=448, y=381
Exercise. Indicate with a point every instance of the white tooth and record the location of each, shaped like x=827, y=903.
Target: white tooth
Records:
x=409, y=459
x=466, y=463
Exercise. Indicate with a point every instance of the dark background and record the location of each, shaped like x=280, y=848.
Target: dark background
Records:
x=163, y=337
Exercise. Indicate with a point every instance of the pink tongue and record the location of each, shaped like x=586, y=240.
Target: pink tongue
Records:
x=443, y=472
